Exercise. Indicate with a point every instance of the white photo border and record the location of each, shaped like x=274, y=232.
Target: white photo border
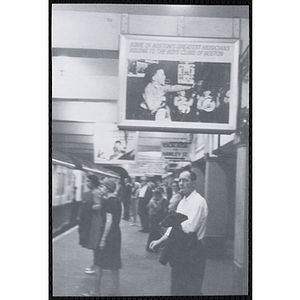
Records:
x=231, y=57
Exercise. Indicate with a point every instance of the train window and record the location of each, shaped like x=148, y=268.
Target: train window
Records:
x=63, y=181
x=60, y=181
x=58, y=184
x=69, y=177
x=83, y=186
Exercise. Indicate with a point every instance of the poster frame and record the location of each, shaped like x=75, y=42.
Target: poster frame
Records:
x=126, y=123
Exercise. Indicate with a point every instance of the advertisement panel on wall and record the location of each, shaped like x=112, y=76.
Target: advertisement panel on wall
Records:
x=178, y=84
x=114, y=146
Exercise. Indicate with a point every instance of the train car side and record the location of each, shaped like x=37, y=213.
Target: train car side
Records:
x=68, y=185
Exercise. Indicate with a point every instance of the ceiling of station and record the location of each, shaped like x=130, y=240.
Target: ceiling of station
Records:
x=79, y=102
x=216, y=11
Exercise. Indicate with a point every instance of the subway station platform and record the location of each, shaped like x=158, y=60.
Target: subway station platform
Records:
x=141, y=274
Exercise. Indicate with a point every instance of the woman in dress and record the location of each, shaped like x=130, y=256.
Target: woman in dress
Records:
x=109, y=252
x=92, y=217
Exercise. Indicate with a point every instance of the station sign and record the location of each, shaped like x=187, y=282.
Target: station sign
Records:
x=143, y=168
x=175, y=150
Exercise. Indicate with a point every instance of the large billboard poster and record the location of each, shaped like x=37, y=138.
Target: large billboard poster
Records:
x=177, y=83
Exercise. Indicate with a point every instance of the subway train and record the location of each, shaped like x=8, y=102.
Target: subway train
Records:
x=68, y=184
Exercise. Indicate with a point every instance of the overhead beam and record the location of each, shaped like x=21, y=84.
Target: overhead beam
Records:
x=85, y=53
x=92, y=30
x=210, y=11
x=63, y=138
x=82, y=111
x=74, y=146
x=76, y=151
x=72, y=128
x=85, y=100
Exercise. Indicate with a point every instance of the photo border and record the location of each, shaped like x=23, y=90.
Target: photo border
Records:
x=193, y=127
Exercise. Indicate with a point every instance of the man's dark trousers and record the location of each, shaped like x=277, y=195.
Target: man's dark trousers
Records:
x=187, y=279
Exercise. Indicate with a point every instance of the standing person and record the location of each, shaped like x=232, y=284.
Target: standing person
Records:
x=108, y=254
x=120, y=190
x=92, y=217
x=157, y=210
x=134, y=201
x=222, y=111
x=176, y=196
x=145, y=194
x=187, y=271
x=126, y=198
x=169, y=191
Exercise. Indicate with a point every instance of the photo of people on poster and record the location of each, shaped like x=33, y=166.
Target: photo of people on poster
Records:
x=113, y=145
x=178, y=91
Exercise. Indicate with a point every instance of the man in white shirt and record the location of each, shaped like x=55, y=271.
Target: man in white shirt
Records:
x=188, y=273
x=145, y=194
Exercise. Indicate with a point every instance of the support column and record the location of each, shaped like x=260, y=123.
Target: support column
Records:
x=241, y=222
x=216, y=197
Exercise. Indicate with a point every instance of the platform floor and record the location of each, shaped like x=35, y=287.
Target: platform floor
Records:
x=141, y=275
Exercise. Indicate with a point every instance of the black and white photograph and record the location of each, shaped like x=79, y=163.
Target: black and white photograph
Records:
x=150, y=150
x=112, y=145
x=178, y=83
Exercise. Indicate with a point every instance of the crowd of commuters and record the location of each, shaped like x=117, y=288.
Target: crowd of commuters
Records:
x=173, y=217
